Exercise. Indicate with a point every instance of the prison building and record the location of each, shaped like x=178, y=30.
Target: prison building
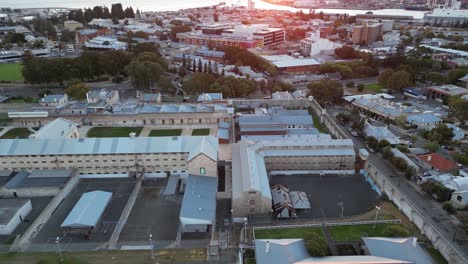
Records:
x=254, y=161
x=194, y=155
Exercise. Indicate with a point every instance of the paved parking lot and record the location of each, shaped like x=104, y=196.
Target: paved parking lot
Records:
x=154, y=214
x=121, y=190
x=326, y=192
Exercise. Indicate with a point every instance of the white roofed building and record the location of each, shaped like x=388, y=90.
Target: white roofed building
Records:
x=59, y=128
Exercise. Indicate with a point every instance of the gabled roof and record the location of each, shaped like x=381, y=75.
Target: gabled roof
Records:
x=199, y=203
x=58, y=128
x=437, y=161
x=207, y=145
x=88, y=210
x=406, y=249
x=280, y=251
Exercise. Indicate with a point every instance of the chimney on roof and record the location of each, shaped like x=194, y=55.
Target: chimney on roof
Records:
x=132, y=135
x=415, y=242
x=429, y=157
x=267, y=247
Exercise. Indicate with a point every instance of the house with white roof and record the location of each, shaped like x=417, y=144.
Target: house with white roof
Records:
x=380, y=133
x=59, y=128
x=425, y=121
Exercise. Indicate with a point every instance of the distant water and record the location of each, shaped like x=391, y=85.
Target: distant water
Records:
x=162, y=5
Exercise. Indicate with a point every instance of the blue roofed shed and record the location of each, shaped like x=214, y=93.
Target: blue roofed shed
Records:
x=88, y=210
x=198, y=210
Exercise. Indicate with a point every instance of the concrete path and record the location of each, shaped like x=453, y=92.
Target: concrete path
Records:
x=5, y=129
x=331, y=243
x=125, y=214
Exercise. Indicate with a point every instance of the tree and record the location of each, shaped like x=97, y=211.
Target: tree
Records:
x=129, y=12
x=146, y=47
x=146, y=69
x=383, y=143
x=117, y=11
x=12, y=37
x=77, y=91
x=372, y=142
x=458, y=107
x=360, y=87
x=199, y=83
x=350, y=84
x=441, y=134
x=179, y=29
x=456, y=74
x=346, y=52
x=98, y=12
x=399, y=80
x=182, y=72
x=432, y=146
x=435, y=78
x=385, y=76
x=200, y=66
x=165, y=85
x=326, y=91
x=395, y=231
x=114, y=62
x=316, y=245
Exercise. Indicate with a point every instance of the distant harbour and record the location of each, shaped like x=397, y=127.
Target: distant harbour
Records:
x=173, y=5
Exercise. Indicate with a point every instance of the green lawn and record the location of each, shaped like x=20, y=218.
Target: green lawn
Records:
x=11, y=72
x=201, y=132
x=375, y=87
x=165, y=133
x=250, y=261
x=287, y=233
x=97, y=132
x=356, y=232
x=19, y=132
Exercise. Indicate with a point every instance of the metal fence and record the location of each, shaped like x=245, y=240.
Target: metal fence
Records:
x=348, y=223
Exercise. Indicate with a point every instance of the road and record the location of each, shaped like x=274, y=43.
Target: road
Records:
x=433, y=209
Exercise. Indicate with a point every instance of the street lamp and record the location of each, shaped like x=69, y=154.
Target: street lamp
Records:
x=57, y=241
x=151, y=244
x=245, y=229
x=376, y=215
x=341, y=204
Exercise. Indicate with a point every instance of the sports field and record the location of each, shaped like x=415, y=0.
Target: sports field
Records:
x=11, y=72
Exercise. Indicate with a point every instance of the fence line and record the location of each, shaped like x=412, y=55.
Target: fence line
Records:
x=391, y=221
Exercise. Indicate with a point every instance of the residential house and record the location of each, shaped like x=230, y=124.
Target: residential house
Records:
x=54, y=100
x=425, y=121
x=460, y=198
x=436, y=161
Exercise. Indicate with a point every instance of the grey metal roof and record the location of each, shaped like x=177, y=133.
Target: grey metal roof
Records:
x=207, y=145
x=199, y=203
x=423, y=118
x=88, y=210
x=58, y=128
x=58, y=173
x=52, y=98
x=406, y=249
x=351, y=260
x=280, y=251
x=9, y=207
x=17, y=179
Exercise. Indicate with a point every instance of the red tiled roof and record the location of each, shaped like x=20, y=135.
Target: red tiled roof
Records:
x=438, y=162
